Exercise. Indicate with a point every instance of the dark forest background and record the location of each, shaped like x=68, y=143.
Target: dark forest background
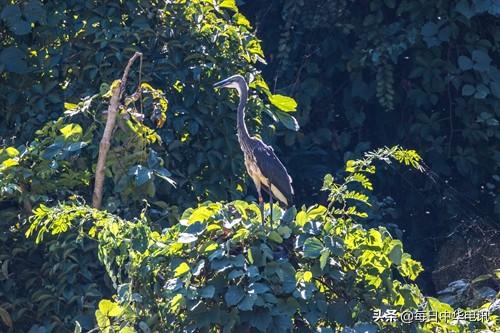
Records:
x=417, y=73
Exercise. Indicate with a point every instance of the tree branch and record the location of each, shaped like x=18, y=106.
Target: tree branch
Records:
x=105, y=143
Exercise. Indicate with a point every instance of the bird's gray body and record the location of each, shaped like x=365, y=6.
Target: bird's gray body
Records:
x=262, y=164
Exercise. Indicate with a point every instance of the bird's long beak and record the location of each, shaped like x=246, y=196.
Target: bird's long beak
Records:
x=221, y=84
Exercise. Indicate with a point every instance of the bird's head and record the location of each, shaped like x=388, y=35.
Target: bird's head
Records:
x=236, y=82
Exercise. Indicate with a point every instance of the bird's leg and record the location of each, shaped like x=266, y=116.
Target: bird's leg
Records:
x=271, y=205
x=261, y=205
x=261, y=201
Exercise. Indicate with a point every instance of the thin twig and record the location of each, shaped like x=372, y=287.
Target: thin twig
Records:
x=105, y=143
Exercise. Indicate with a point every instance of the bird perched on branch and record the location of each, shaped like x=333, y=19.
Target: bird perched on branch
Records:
x=262, y=164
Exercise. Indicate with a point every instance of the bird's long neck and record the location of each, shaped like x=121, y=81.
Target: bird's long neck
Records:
x=243, y=134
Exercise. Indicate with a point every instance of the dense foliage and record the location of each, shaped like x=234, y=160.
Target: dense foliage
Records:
x=222, y=269
x=76, y=49
x=425, y=74
x=140, y=264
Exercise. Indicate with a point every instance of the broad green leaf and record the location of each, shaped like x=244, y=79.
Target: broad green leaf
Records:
x=233, y=295
x=242, y=20
x=201, y=214
x=70, y=106
x=284, y=231
x=465, y=63
x=11, y=151
x=396, y=252
x=247, y=303
x=176, y=303
x=209, y=247
x=102, y=321
x=312, y=247
x=71, y=130
x=374, y=238
x=207, y=292
x=315, y=211
x=109, y=308
x=275, y=237
x=141, y=174
x=14, y=60
x=409, y=267
x=429, y=29
x=323, y=259
x=182, y=269
x=8, y=163
x=468, y=90
x=241, y=234
x=229, y=4
x=301, y=218
x=284, y=103
x=258, y=288
x=287, y=120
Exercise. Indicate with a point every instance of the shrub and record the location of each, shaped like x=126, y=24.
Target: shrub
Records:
x=221, y=269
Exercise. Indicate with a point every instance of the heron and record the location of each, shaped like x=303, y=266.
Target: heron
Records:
x=262, y=164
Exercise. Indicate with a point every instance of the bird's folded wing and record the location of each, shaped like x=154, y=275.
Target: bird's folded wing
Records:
x=272, y=169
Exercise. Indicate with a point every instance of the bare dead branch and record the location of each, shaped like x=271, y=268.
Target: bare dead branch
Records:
x=105, y=143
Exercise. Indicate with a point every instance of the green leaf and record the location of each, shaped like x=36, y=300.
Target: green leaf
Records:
x=284, y=103
x=312, y=247
x=229, y=4
x=13, y=60
x=481, y=60
x=71, y=130
x=182, y=269
x=285, y=231
x=207, y=292
x=176, y=303
x=10, y=13
x=70, y=106
x=468, y=90
x=465, y=63
x=34, y=12
x=102, y=320
x=233, y=295
x=335, y=245
x=323, y=259
x=375, y=238
x=429, y=29
x=409, y=267
x=11, y=151
x=141, y=174
x=275, y=237
x=258, y=288
x=4, y=315
x=247, y=303
x=21, y=27
x=287, y=120
x=301, y=219
x=110, y=308
x=481, y=91
x=396, y=252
